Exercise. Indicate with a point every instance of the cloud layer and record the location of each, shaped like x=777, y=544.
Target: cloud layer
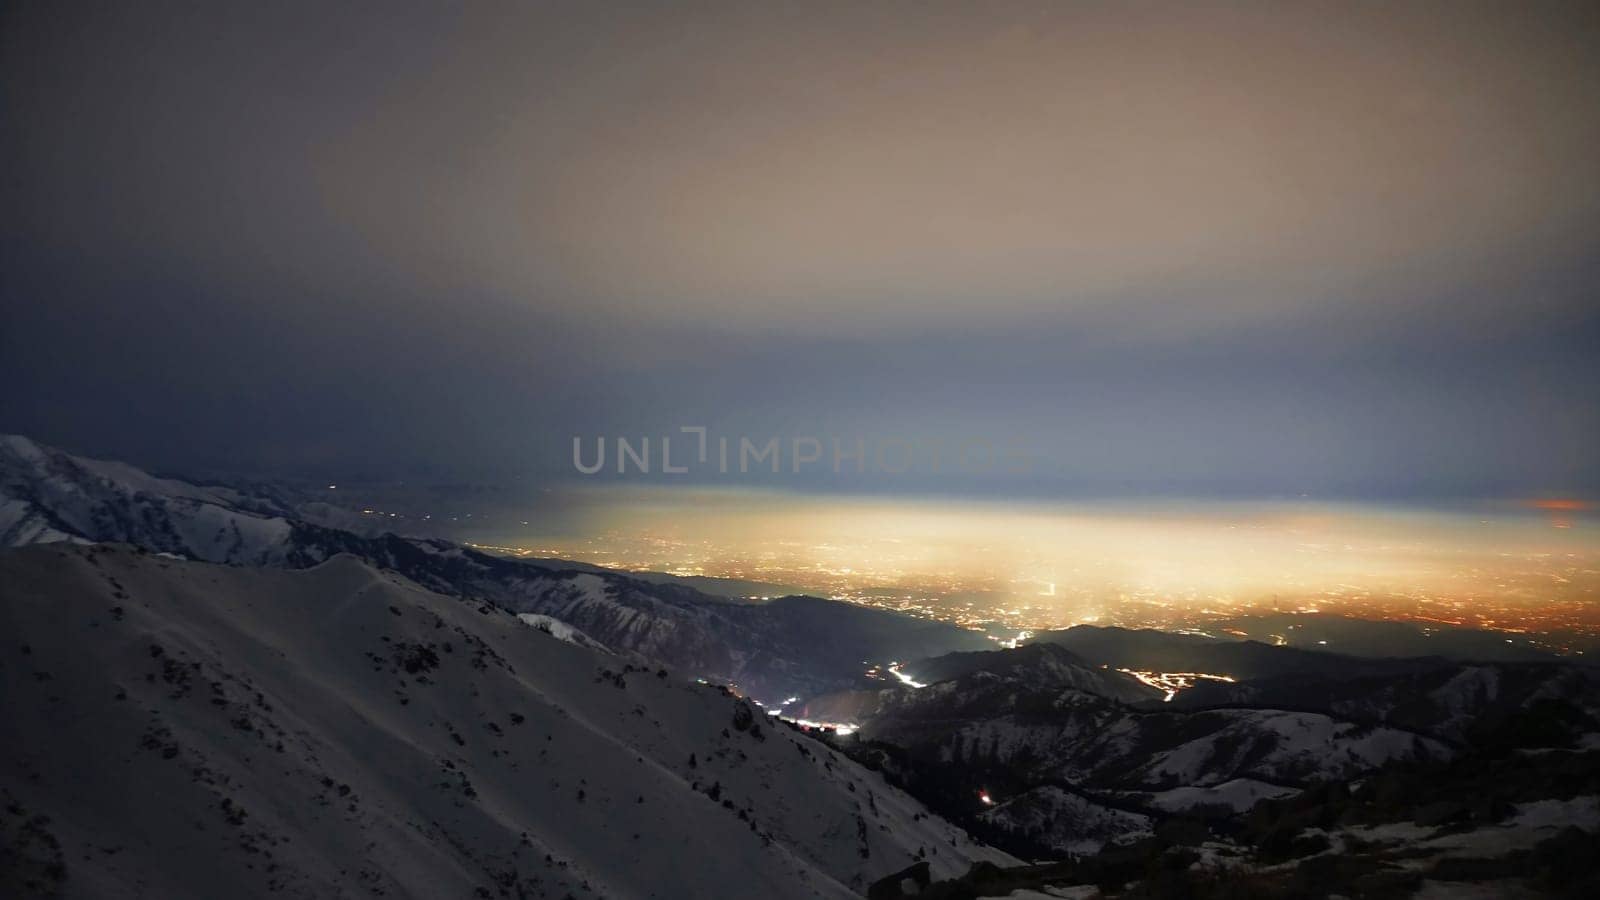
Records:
x=439, y=234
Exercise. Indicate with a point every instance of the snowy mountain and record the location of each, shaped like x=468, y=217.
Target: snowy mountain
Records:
x=772, y=650
x=1064, y=821
x=1456, y=702
x=561, y=631
x=182, y=729
x=1040, y=715
x=1036, y=664
x=47, y=496
x=1042, y=733
x=1416, y=769
x=288, y=706
x=991, y=682
x=1037, y=751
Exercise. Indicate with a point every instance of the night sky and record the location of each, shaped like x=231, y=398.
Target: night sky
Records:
x=1260, y=248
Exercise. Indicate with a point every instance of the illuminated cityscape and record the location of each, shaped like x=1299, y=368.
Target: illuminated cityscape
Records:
x=1512, y=569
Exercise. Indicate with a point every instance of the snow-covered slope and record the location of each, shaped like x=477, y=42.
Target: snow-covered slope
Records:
x=181, y=729
x=1454, y=701
x=772, y=650
x=1042, y=732
x=561, y=631
x=1238, y=795
x=47, y=496
x=1042, y=665
x=1032, y=734
x=1042, y=755
x=1065, y=821
x=979, y=684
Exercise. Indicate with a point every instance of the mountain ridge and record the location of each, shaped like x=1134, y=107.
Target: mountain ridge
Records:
x=338, y=728
x=48, y=495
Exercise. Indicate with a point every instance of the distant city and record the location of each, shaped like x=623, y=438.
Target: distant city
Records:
x=1528, y=572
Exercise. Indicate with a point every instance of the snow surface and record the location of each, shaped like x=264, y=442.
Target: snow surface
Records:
x=1238, y=794
x=1528, y=826
x=48, y=496
x=197, y=730
x=1583, y=812
x=561, y=631
x=791, y=646
x=1067, y=821
x=1304, y=745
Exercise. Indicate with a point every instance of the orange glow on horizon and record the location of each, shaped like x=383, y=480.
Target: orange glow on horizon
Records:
x=1135, y=563
x=1561, y=505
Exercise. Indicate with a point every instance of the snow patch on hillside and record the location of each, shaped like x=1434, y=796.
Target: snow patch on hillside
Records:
x=1066, y=821
x=1238, y=794
x=561, y=631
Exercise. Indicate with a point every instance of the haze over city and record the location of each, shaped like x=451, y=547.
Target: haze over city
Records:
x=1219, y=253
x=1528, y=566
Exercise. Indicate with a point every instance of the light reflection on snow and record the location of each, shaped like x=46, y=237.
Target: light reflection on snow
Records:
x=838, y=728
x=907, y=680
x=1173, y=682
